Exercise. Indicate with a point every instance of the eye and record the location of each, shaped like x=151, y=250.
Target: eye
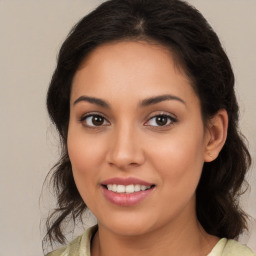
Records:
x=94, y=120
x=161, y=120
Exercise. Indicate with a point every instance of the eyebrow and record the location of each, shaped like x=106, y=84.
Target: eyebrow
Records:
x=160, y=98
x=144, y=103
x=92, y=100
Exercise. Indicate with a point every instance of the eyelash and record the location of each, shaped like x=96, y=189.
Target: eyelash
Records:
x=99, y=115
x=171, y=120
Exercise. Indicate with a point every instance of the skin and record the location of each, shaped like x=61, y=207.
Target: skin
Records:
x=130, y=143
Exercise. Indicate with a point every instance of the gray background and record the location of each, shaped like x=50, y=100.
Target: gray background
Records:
x=31, y=34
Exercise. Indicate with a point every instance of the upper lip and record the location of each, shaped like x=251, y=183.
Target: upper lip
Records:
x=126, y=181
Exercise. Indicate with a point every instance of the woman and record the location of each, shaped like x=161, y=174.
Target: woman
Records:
x=143, y=99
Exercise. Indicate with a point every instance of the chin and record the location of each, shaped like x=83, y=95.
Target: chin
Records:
x=125, y=227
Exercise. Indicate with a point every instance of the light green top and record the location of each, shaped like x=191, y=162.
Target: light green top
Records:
x=81, y=247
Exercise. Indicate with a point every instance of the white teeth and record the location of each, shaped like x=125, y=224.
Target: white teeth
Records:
x=137, y=188
x=120, y=189
x=143, y=187
x=127, y=189
x=114, y=187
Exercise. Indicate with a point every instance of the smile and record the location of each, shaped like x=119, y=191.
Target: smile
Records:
x=127, y=189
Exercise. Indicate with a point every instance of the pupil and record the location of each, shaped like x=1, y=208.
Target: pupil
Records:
x=161, y=120
x=97, y=120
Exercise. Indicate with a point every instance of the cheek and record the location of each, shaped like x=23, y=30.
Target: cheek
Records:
x=179, y=165
x=180, y=159
x=84, y=152
x=86, y=158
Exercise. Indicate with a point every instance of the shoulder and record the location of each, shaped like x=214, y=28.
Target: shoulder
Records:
x=229, y=247
x=78, y=247
x=72, y=247
x=234, y=248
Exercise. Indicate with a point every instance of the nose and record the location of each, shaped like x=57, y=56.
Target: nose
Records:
x=125, y=149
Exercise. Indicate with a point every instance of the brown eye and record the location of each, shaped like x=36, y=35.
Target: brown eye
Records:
x=97, y=120
x=161, y=120
x=94, y=120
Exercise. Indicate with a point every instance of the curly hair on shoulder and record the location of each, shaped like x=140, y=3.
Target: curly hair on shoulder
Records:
x=198, y=51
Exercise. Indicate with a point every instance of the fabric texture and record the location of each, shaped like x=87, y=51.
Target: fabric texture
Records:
x=81, y=247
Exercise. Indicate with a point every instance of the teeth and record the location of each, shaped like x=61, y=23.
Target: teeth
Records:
x=120, y=189
x=127, y=189
x=114, y=187
x=143, y=187
x=137, y=188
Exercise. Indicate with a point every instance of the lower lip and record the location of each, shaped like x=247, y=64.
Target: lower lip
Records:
x=126, y=199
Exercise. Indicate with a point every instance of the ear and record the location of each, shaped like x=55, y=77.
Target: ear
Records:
x=216, y=134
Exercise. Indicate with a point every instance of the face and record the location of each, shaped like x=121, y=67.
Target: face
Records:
x=136, y=139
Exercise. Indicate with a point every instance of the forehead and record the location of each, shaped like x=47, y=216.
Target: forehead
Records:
x=129, y=67
x=129, y=51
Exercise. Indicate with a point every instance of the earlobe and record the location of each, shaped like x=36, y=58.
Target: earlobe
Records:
x=216, y=135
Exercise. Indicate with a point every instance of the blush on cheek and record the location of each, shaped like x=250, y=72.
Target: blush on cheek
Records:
x=80, y=163
x=84, y=155
x=180, y=163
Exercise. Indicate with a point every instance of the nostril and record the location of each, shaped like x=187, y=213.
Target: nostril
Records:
x=133, y=164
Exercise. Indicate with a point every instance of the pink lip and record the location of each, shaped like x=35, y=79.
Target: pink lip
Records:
x=125, y=199
x=125, y=181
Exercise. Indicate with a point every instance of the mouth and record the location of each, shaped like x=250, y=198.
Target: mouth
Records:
x=127, y=189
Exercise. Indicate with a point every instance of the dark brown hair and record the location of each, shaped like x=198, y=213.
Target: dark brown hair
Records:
x=181, y=28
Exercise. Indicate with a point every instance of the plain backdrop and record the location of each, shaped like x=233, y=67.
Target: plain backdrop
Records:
x=31, y=34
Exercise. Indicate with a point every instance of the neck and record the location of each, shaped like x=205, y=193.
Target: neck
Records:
x=186, y=238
